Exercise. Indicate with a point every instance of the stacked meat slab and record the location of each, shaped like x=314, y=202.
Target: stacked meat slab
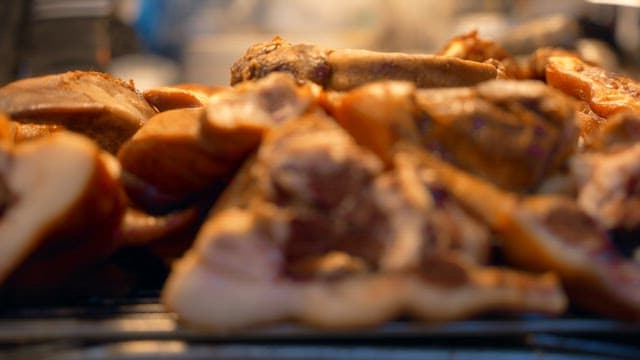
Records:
x=338, y=188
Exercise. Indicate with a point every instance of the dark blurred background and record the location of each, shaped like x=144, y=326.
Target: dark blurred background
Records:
x=158, y=42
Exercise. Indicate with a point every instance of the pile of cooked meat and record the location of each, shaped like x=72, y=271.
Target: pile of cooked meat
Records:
x=335, y=187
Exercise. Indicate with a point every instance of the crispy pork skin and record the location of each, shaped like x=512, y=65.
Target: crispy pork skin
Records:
x=344, y=69
x=106, y=109
x=606, y=93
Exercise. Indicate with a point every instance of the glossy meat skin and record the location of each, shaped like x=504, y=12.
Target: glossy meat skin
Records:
x=345, y=69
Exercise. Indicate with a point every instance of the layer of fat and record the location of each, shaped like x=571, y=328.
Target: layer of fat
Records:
x=218, y=301
x=211, y=300
x=47, y=177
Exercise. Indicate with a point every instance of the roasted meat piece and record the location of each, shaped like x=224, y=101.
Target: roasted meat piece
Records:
x=512, y=133
x=166, y=162
x=378, y=115
x=606, y=93
x=106, y=109
x=60, y=202
x=297, y=168
x=181, y=153
x=552, y=233
x=330, y=238
x=348, y=68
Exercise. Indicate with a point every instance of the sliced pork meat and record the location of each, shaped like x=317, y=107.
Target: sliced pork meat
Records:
x=330, y=238
x=232, y=279
x=606, y=93
x=552, y=233
x=344, y=69
x=106, y=109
